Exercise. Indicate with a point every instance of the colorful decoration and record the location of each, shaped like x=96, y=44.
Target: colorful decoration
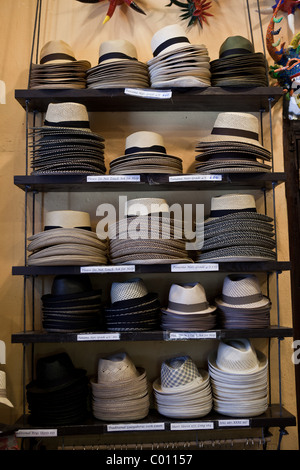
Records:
x=287, y=61
x=112, y=6
x=196, y=10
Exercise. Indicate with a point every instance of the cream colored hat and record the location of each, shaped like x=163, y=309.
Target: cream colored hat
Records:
x=169, y=39
x=67, y=219
x=67, y=115
x=188, y=299
x=3, y=398
x=144, y=141
x=146, y=206
x=131, y=289
x=242, y=292
x=115, y=50
x=237, y=356
x=116, y=368
x=56, y=52
x=235, y=127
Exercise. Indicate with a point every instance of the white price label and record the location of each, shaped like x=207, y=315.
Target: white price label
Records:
x=233, y=422
x=194, y=267
x=108, y=269
x=145, y=93
x=36, y=433
x=112, y=178
x=136, y=427
x=193, y=335
x=195, y=177
x=191, y=426
x=98, y=337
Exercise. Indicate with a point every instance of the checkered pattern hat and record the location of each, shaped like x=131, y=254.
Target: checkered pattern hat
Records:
x=178, y=371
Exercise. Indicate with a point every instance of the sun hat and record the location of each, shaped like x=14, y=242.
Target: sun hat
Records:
x=3, y=394
x=67, y=219
x=235, y=127
x=189, y=298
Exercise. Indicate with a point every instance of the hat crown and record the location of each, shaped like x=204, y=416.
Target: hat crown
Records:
x=115, y=368
x=65, y=113
x=170, y=38
x=56, y=51
x=188, y=294
x=64, y=285
x=235, y=45
x=241, y=121
x=116, y=49
x=67, y=219
x=131, y=289
x=143, y=140
x=233, y=202
x=237, y=356
x=178, y=371
x=241, y=286
x=146, y=206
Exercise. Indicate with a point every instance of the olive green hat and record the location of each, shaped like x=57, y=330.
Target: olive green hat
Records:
x=234, y=46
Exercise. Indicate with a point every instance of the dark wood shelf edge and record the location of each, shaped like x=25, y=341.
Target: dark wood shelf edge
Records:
x=182, y=99
x=275, y=415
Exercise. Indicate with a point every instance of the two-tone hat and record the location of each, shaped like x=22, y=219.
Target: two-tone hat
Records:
x=72, y=306
x=176, y=62
x=239, y=378
x=188, y=309
x=145, y=152
x=118, y=67
x=120, y=390
x=58, y=68
x=58, y=394
x=149, y=235
x=242, y=304
x=238, y=243
x=238, y=64
x=67, y=239
x=182, y=390
x=132, y=307
x=65, y=143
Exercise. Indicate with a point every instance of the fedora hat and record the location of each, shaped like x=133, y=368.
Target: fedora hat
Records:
x=116, y=50
x=3, y=395
x=188, y=299
x=237, y=356
x=56, y=52
x=146, y=206
x=242, y=292
x=235, y=127
x=67, y=115
x=169, y=39
x=234, y=46
x=67, y=219
x=53, y=373
x=131, y=289
x=117, y=368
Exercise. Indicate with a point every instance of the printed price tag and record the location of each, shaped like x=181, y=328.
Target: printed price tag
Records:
x=193, y=335
x=36, y=433
x=194, y=267
x=98, y=337
x=108, y=269
x=145, y=93
x=136, y=427
x=195, y=178
x=233, y=422
x=191, y=426
x=113, y=178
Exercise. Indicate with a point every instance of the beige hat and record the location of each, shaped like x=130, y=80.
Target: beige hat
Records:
x=67, y=219
x=67, y=115
x=188, y=299
x=115, y=50
x=242, y=292
x=116, y=368
x=3, y=398
x=146, y=206
x=237, y=356
x=56, y=52
x=169, y=39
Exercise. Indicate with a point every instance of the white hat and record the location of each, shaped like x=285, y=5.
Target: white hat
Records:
x=237, y=356
x=67, y=219
x=116, y=368
x=242, y=292
x=168, y=39
x=115, y=50
x=3, y=398
x=188, y=299
x=144, y=141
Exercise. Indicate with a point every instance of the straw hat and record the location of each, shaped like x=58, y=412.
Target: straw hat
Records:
x=169, y=39
x=67, y=219
x=237, y=356
x=131, y=289
x=188, y=299
x=235, y=127
x=234, y=46
x=56, y=52
x=178, y=372
x=242, y=292
x=3, y=397
x=67, y=115
x=115, y=50
x=146, y=206
x=116, y=368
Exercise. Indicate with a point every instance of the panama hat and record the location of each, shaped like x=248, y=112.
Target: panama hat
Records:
x=169, y=39
x=115, y=50
x=242, y=292
x=67, y=219
x=188, y=299
x=146, y=206
x=132, y=288
x=234, y=46
x=67, y=114
x=3, y=395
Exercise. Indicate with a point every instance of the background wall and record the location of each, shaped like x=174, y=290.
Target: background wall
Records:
x=80, y=25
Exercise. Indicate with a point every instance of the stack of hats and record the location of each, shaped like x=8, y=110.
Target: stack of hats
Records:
x=182, y=391
x=233, y=146
x=145, y=153
x=67, y=239
x=152, y=237
x=72, y=306
x=120, y=391
x=118, y=67
x=239, y=65
x=177, y=63
x=66, y=144
x=239, y=379
x=188, y=309
x=132, y=308
x=3, y=394
x=235, y=231
x=58, y=68
x=58, y=395
x=242, y=304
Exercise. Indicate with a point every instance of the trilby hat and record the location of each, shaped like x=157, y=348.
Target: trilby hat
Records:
x=67, y=219
x=56, y=52
x=169, y=39
x=188, y=299
x=146, y=206
x=116, y=368
x=130, y=289
x=67, y=115
x=234, y=46
x=115, y=50
x=242, y=291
